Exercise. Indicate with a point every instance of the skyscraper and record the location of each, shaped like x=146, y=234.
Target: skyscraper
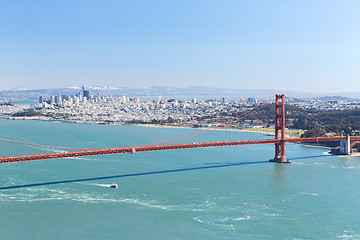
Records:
x=83, y=89
x=85, y=93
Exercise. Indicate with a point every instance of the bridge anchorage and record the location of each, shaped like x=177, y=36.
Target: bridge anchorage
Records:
x=280, y=127
x=346, y=146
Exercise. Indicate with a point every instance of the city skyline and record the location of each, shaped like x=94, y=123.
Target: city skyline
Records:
x=305, y=46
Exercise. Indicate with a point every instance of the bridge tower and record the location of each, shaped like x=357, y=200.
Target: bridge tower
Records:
x=280, y=127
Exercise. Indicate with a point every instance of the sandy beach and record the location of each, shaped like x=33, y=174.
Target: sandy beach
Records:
x=204, y=128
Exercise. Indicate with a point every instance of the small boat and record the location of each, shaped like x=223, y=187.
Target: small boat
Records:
x=114, y=185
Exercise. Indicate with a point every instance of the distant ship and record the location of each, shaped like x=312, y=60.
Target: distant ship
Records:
x=114, y=185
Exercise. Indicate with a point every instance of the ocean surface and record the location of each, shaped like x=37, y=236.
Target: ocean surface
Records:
x=208, y=193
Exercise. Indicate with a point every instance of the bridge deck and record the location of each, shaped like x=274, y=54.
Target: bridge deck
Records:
x=163, y=147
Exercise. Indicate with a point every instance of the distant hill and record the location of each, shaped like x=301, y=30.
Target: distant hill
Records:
x=336, y=98
x=165, y=91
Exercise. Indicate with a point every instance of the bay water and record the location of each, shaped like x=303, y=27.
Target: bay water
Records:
x=208, y=193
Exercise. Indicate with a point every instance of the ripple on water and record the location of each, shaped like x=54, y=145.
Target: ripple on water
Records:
x=349, y=234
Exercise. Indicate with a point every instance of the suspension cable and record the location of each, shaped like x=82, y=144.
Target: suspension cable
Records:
x=323, y=126
x=241, y=116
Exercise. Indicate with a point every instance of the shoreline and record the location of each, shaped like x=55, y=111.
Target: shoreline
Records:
x=271, y=133
x=201, y=128
x=137, y=125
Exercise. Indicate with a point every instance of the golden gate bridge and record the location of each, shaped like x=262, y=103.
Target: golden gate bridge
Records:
x=16, y=151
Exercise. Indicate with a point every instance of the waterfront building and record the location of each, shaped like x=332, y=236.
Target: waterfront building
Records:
x=124, y=99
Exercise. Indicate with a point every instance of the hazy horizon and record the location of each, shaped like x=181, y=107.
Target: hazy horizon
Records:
x=112, y=87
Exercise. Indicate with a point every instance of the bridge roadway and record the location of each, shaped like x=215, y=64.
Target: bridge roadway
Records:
x=163, y=147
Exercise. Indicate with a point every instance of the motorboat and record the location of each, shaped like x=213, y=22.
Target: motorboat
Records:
x=114, y=185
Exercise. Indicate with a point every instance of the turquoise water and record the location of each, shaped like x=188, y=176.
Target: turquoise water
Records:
x=209, y=193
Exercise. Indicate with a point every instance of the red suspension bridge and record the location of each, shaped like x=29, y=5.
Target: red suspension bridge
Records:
x=16, y=151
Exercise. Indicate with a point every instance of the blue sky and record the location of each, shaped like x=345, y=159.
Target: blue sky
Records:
x=311, y=45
